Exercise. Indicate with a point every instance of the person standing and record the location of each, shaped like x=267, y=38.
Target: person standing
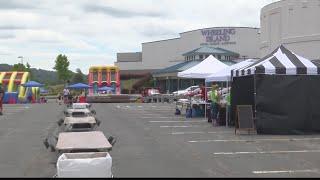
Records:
x=228, y=98
x=29, y=96
x=1, y=99
x=59, y=98
x=66, y=93
x=203, y=92
x=214, y=97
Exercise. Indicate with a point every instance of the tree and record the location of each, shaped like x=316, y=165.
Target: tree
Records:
x=28, y=66
x=78, y=77
x=62, y=67
x=28, y=69
x=19, y=67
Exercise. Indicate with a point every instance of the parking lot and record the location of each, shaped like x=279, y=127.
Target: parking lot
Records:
x=153, y=142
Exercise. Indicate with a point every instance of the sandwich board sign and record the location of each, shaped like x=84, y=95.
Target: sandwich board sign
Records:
x=245, y=120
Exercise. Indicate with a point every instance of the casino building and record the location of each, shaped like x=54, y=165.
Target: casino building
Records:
x=165, y=58
x=293, y=23
x=233, y=42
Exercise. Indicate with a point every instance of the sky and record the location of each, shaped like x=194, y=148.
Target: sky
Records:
x=91, y=32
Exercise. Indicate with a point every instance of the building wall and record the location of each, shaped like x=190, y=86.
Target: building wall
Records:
x=129, y=57
x=161, y=54
x=293, y=23
x=165, y=53
x=241, y=40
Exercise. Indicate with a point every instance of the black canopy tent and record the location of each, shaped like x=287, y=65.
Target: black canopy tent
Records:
x=284, y=91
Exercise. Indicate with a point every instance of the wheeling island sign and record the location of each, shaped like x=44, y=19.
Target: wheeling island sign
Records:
x=218, y=36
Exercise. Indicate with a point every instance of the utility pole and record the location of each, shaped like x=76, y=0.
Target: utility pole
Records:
x=21, y=57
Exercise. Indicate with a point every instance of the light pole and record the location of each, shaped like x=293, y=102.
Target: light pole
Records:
x=21, y=57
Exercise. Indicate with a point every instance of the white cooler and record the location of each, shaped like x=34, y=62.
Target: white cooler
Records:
x=91, y=164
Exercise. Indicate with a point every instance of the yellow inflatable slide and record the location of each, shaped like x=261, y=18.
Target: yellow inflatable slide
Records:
x=12, y=82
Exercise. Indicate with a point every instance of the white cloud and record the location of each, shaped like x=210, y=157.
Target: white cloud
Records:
x=92, y=32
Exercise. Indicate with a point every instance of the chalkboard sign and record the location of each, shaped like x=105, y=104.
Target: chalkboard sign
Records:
x=245, y=119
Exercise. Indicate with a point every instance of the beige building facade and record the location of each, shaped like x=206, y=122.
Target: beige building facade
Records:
x=164, y=53
x=293, y=23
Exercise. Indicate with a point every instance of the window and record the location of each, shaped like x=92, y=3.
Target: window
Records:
x=207, y=56
x=219, y=57
x=201, y=56
x=95, y=76
x=113, y=75
x=104, y=75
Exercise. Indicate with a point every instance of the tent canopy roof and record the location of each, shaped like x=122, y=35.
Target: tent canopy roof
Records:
x=32, y=84
x=205, y=68
x=280, y=61
x=79, y=86
x=225, y=74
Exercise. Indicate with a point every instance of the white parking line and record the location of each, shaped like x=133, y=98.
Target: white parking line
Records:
x=157, y=110
x=8, y=113
x=16, y=106
x=15, y=109
x=179, y=133
x=177, y=126
x=286, y=171
x=221, y=132
x=255, y=140
x=200, y=121
x=148, y=114
x=267, y=152
x=156, y=117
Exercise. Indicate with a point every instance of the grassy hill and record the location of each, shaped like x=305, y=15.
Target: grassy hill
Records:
x=40, y=75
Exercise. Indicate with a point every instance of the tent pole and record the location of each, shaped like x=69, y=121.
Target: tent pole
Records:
x=255, y=94
x=227, y=106
x=205, y=100
x=178, y=84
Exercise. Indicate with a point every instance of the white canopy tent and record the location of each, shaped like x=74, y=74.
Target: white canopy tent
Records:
x=225, y=74
x=205, y=68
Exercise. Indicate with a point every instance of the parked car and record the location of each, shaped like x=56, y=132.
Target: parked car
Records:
x=150, y=92
x=189, y=90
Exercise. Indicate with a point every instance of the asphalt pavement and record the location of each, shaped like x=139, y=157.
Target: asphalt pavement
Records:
x=153, y=142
